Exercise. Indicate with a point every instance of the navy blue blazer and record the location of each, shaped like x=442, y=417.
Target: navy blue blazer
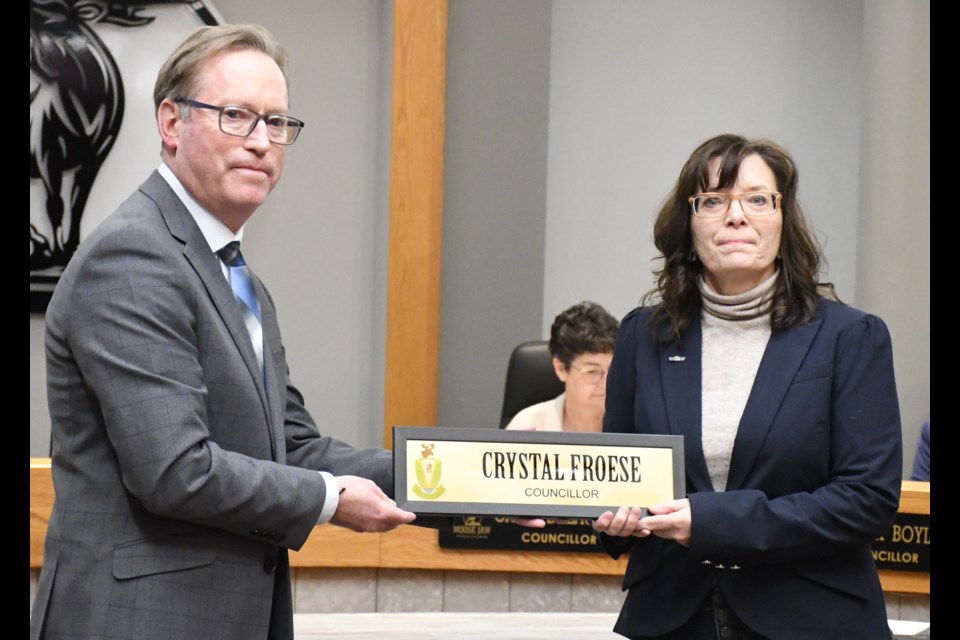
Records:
x=815, y=477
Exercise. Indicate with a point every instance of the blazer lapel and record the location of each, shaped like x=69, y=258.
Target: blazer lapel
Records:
x=207, y=266
x=680, y=371
x=782, y=358
x=276, y=378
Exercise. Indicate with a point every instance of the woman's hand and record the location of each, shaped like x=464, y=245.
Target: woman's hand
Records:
x=670, y=520
x=624, y=524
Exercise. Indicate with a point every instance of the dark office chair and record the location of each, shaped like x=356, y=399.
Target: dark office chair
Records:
x=530, y=379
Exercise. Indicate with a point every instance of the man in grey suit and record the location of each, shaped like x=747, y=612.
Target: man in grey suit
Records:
x=185, y=463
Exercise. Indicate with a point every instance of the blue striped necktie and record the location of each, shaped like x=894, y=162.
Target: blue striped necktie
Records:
x=246, y=295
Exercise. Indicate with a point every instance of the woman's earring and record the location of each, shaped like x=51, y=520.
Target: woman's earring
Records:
x=693, y=256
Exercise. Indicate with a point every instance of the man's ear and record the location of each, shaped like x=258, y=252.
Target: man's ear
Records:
x=169, y=123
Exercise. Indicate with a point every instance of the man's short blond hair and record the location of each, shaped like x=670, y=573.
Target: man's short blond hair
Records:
x=180, y=73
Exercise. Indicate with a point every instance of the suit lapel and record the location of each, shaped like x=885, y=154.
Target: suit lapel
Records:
x=275, y=378
x=207, y=266
x=781, y=360
x=680, y=371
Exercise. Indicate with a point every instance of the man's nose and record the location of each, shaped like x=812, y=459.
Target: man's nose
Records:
x=258, y=138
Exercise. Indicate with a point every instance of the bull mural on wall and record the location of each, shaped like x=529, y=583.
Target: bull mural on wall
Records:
x=76, y=112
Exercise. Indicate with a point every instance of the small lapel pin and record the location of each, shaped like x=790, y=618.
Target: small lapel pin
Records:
x=676, y=358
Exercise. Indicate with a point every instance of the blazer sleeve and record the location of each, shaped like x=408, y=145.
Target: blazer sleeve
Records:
x=307, y=448
x=853, y=499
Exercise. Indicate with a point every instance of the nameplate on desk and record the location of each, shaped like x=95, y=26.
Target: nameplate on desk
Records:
x=456, y=471
x=906, y=544
x=487, y=532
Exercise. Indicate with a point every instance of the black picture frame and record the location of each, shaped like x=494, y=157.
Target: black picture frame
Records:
x=560, y=443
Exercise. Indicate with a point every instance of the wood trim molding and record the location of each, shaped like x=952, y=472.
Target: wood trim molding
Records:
x=416, y=215
x=410, y=547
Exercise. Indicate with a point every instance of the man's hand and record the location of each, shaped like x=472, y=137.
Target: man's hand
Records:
x=365, y=508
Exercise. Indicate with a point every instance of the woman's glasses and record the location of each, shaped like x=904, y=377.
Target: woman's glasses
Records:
x=592, y=375
x=756, y=203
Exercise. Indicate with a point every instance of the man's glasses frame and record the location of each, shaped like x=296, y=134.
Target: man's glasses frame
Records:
x=240, y=121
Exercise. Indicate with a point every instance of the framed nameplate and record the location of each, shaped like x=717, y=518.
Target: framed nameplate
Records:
x=558, y=474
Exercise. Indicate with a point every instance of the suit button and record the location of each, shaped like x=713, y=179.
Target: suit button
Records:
x=722, y=615
x=269, y=565
x=726, y=632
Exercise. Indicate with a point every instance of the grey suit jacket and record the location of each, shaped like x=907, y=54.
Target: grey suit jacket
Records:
x=181, y=478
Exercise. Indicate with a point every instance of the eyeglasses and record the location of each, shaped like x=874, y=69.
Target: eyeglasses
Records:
x=755, y=203
x=590, y=374
x=240, y=122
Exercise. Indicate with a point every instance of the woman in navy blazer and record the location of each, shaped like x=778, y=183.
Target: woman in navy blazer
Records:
x=788, y=406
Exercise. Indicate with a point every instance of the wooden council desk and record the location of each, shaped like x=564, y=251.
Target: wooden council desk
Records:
x=410, y=547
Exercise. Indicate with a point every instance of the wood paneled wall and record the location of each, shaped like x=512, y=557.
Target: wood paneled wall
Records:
x=416, y=215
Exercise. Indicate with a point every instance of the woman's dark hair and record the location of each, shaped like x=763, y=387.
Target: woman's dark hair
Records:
x=798, y=288
x=586, y=327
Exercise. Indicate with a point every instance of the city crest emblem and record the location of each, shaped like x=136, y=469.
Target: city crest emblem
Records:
x=428, y=470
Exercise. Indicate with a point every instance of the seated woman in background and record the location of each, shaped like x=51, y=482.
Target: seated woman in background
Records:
x=581, y=343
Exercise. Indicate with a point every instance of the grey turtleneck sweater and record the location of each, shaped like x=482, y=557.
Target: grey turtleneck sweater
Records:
x=735, y=333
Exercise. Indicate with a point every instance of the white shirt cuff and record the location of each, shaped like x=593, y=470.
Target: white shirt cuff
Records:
x=332, y=500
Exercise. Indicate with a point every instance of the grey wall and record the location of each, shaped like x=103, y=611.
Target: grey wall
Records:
x=893, y=263
x=495, y=172
x=566, y=125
